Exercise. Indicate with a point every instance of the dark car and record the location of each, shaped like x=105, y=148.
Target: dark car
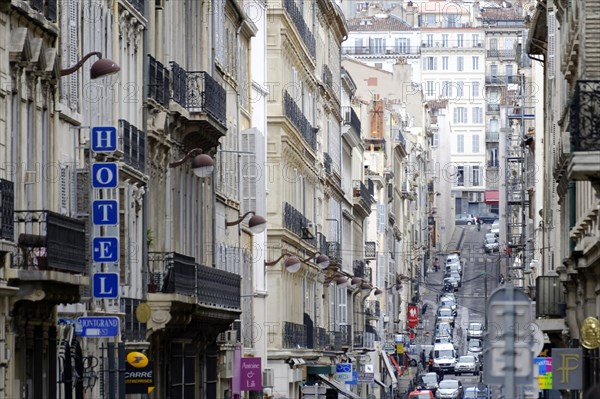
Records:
x=488, y=217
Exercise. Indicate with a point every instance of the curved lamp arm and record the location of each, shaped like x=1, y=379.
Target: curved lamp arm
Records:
x=70, y=70
x=192, y=153
x=274, y=262
x=228, y=224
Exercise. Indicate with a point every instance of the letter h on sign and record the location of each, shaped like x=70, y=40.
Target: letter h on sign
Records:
x=104, y=139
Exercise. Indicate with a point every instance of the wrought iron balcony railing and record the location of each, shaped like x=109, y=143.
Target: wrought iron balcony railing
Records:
x=370, y=250
x=297, y=118
x=49, y=241
x=494, y=163
x=321, y=339
x=492, y=136
x=501, y=79
x=493, y=108
x=359, y=269
x=158, y=85
x=133, y=330
x=327, y=76
x=198, y=92
x=322, y=243
x=138, y=5
x=294, y=335
x=171, y=272
x=345, y=331
x=585, y=116
x=7, y=208
x=327, y=161
x=364, y=339
x=373, y=308
x=334, y=251
x=298, y=20
x=294, y=220
x=378, y=50
x=352, y=119
x=46, y=7
x=133, y=145
x=361, y=191
x=494, y=53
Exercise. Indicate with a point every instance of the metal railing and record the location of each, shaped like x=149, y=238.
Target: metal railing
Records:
x=49, y=241
x=492, y=136
x=327, y=162
x=133, y=145
x=352, y=119
x=373, y=308
x=171, y=272
x=158, y=85
x=298, y=20
x=133, y=330
x=321, y=339
x=493, y=163
x=46, y=7
x=364, y=339
x=370, y=249
x=294, y=335
x=197, y=91
x=584, y=116
x=327, y=76
x=7, y=208
x=495, y=53
x=493, y=108
x=138, y=5
x=361, y=191
x=372, y=50
x=359, y=269
x=297, y=118
x=334, y=251
x=501, y=79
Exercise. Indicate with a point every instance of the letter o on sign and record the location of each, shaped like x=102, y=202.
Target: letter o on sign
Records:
x=137, y=359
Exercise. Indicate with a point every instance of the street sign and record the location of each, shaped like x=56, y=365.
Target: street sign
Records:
x=104, y=139
x=105, y=285
x=354, y=380
x=498, y=366
x=366, y=377
x=97, y=327
x=567, y=368
x=251, y=374
x=343, y=372
x=105, y=212
x=105, y=249
x=105, y=175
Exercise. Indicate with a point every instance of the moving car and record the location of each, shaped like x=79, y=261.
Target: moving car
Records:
x=445, y=315
x=447, y=296
x=450, y=389
x=452, y=281
x=476, y=393
x=475, y=330
x=491, y=244
x=444, y=357
x=421, y=394
x=488, y=217
x=466, y=364
x=429, y=381
x=453, y=257
x=448, y=303
x=453, y=266
x=475, y=348
x=464, y=219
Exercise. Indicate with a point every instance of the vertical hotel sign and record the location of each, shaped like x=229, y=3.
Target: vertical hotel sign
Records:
x=105, y=212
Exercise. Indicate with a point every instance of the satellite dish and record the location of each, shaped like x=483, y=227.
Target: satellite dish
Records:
x=537, y=340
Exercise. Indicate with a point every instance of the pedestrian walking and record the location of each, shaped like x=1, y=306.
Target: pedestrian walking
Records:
x=423, y=359
x=501, y=279
x=436, y=264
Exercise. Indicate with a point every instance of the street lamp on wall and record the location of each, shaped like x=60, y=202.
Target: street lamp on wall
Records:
x=100, y=68
x=257, y=223
x=202, y=164
x=293, y=263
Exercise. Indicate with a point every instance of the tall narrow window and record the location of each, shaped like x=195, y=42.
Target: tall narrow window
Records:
x=475, y=143
x=460, y=40
x=475, y=90
x=475, y=63
x=460, y=176
x=445, y=63
x=460, y=63
x=460, y=143
x=475, y=176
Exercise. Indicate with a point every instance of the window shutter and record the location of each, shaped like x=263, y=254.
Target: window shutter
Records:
x=251, y=171
x=63, y=189
x=80, y=193
x=551, y=44
x=73, y=53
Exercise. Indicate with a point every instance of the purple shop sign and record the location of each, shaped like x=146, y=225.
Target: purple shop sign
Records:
x=251, y=374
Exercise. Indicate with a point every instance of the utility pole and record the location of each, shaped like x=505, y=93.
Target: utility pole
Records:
x=509, y=339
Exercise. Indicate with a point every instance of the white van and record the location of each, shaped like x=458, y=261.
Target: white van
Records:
x=444, y=356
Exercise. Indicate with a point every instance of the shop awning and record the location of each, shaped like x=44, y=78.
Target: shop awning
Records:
x=337, y=386
x=388, y=366
x=492, y=196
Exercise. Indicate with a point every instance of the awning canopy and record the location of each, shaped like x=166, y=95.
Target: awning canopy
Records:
x=551, y=325
x=388, y=366
x=337, y=386
x=492, y=196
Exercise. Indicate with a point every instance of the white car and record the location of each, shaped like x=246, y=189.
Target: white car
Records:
x=449, y=389
x=475, y=330
x=466, y=364
x=495, y=228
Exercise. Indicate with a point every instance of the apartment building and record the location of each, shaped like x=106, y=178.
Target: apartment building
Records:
x=570, y=209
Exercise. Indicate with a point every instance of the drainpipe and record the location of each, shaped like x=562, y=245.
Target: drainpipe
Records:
x=145, y=47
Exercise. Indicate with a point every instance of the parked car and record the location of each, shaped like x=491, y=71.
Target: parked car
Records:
x=475, y=348
x=450, y=389
x=452, y=282
x=495, y=228
x=477, y=393
x=488, y=217
x=448, y=303
x=464, y=219
x=453, y=267
x=466, y=364
x=475, y=330
x=421, y=394
x=429, y=381
x=448, y=296
x=453, y=257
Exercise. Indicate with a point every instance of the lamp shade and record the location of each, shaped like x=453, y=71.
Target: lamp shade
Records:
x=203, y=165
x=293, y=264
x=257, y=224
x=103, y=67
x=342, y=280
x=377, y=292
x=322, y=261
x=355, y=281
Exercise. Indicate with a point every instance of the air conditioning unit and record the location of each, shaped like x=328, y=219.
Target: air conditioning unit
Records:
x=308, y=231
x=228, y=337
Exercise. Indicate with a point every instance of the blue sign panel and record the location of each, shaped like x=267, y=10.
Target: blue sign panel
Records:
x=105, y=212
x=97, y=326
x=354, y=380
x=105, y=175
x=105, y=285
x=105, y=249
x=104, y=139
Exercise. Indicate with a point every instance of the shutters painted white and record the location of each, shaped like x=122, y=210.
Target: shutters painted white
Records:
x=295, y=82
x=551, y=44
x=381, y=216
x=342, y=302
x=73, y=10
